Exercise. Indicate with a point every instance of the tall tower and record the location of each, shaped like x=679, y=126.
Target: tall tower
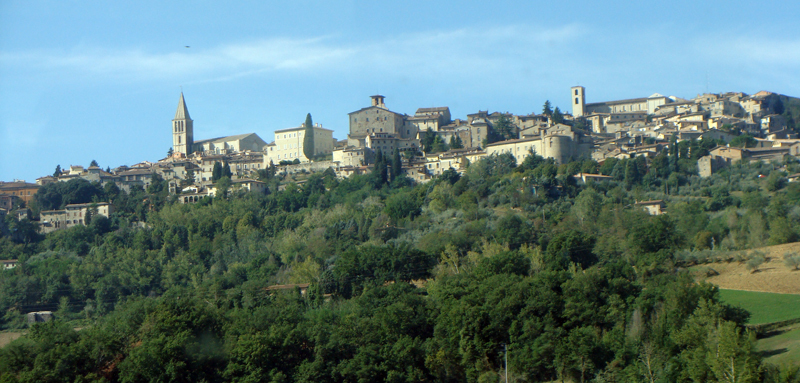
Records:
x=182, y=129
x=377, y=100
x=578, y=97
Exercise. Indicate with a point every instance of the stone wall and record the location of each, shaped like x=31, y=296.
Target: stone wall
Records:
x=311, y=167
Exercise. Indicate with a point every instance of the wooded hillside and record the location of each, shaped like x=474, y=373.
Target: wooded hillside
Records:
x=408, y=283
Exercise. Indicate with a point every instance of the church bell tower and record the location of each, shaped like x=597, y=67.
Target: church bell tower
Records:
x=182, y=129
x=578, y=95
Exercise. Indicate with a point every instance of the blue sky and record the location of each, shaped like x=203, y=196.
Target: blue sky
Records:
x=84, y=80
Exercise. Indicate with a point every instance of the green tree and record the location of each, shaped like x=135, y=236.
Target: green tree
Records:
x=731, y=355
x=753, y=264
x=57, y=172
x=170, y=152
x=216, y=172
x=188, y=179
x=93, y=163
x=547, y=109
x=455, y=142
x=632, y=173
x=775, y=181
x=308, y=138
x=791, y=260
x=587, y=205
x=402, y=205
x=397, y=165
x=571, y=246
x=87, y=219
x=223, y=185
x=438, y=145
x=744, y=141
x=380, y=172
x=504, y=128
x=558, y=117
x=427, y=141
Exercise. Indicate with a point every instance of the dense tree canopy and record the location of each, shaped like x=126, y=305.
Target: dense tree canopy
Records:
x=407, y=283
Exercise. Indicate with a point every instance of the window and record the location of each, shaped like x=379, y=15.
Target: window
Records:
x=576, y=93
x=576, y=100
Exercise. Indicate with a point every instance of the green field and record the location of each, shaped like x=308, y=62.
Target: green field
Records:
x=764, y=307
x=781, y=348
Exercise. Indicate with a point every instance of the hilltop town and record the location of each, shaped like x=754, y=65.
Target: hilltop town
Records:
x=588, y=245
x=733, y=126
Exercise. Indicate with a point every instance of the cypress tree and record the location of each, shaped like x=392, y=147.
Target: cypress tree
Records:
x=308, y=138
x=380, y=170
x=397, y=165
x=226, y=171
x=427, y=141
x=216, y=173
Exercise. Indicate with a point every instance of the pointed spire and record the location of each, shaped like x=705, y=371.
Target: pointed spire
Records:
x=183, y=112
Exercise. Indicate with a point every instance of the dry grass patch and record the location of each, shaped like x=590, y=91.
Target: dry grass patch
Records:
x=773, y=275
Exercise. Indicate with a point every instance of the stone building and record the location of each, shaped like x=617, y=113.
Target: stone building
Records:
x=72, y=215
x=352, y=156
x=376, y=118
x=559, y=144
x=655, y=207
x=647, y=104
x=288, y=144
x=21, y=189
x=430, y=119
x=231, y=144
x=183, y=137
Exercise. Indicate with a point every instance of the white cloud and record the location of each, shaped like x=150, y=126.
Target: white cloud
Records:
x=467, y=50
x=751, y=50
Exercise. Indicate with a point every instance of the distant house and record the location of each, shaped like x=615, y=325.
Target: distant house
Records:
x=40, y=317
x=8, y=263
x=25, y=191
x=586, y=177
x=7, y=201
x=250, y=185
x=72, y=215
x=655, y=207
x=710, y=164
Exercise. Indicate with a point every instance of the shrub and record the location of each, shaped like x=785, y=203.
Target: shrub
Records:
x=791, y=261
x=754, y=263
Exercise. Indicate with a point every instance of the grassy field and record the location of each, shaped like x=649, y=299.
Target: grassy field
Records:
x=782, y=346
x=764, y=307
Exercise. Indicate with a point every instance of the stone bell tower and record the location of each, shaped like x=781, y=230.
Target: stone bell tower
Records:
x=578, y=97
x=182, y=129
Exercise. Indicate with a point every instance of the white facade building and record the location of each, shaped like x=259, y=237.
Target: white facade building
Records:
x=288, y=144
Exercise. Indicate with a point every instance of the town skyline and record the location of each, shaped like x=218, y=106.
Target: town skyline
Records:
x=104, y=87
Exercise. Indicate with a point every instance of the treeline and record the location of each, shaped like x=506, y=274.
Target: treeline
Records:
x=432, y=282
